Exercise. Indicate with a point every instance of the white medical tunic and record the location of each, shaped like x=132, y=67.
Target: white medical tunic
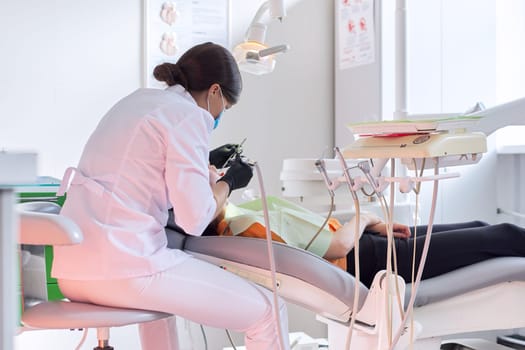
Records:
x=148, y=153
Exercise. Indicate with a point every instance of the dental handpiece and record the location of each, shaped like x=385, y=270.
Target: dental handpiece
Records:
x=322, y=169
x=346, y=173
x=237, y=153
x=365, y=168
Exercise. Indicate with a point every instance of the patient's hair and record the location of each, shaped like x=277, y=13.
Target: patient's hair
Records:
x=212, y=228
x=200, y=67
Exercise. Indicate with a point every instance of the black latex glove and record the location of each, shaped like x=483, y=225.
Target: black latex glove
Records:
x=220, y=155
x=238, y=174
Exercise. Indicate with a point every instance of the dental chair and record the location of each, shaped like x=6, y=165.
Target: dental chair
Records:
x=40, y=225
x=483, y=296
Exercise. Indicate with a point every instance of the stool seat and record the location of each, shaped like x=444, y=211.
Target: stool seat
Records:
x=69, y=315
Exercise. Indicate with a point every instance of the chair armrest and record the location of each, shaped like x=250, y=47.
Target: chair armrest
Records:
x=40, y=207
x=43, y=228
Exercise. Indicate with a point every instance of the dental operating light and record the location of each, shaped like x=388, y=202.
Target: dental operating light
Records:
x=253, y=55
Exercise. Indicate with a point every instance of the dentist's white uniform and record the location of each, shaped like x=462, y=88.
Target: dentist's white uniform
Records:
x=150, y=152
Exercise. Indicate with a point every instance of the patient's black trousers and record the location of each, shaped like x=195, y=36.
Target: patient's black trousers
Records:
x=452, y=246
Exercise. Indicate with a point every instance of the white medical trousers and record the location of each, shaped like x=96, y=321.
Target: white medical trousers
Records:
x=196, y=291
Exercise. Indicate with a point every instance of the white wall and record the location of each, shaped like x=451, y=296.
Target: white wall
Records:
x=452, y=61
x=65, y=63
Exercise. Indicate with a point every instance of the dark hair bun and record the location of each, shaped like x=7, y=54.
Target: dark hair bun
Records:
x=171, y=74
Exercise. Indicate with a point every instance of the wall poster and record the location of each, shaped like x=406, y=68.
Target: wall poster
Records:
x=355, y=27
x=172, y=27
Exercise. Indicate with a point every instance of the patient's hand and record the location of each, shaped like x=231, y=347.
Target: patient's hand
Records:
x=214, y=175
x=400, y=230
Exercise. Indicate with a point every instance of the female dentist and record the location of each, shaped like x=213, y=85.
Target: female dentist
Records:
x=150, y=153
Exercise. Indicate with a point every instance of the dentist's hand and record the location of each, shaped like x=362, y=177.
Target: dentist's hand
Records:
x=221, y=154
x=238, y=175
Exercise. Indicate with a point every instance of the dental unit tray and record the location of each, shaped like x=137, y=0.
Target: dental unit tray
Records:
x=451, y=148
x=405, y=127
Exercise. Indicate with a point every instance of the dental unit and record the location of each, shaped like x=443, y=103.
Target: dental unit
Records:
x=479, y=297
x=473, y=298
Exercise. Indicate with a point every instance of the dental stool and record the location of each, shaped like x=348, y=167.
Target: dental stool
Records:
x=40, y=224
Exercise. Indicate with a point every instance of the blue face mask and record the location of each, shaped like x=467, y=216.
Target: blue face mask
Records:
x=218, y=118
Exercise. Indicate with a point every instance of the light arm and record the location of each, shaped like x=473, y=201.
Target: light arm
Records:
x=510, y=113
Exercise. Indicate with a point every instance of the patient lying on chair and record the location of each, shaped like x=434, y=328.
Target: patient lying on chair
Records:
x=452, y=246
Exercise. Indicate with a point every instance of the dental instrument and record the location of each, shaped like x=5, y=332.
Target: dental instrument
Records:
x=237, y=153
x=271, y=257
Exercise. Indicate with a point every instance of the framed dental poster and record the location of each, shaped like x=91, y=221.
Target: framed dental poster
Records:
x=355, y=32
x=172, y=27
